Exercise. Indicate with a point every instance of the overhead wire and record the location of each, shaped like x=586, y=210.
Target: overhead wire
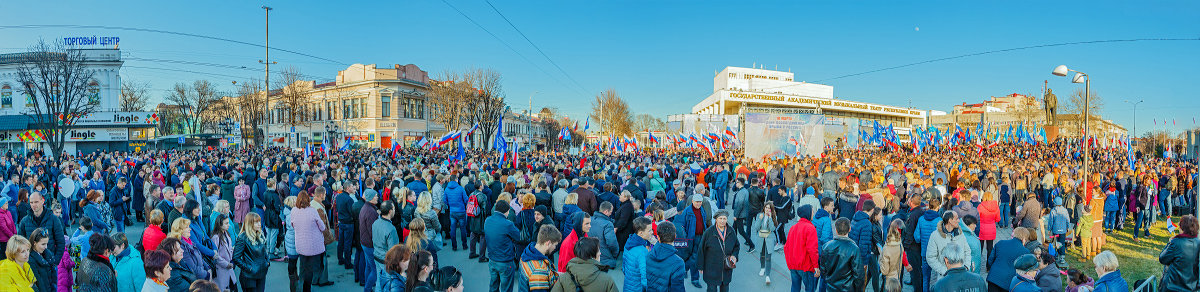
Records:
x=539, y=49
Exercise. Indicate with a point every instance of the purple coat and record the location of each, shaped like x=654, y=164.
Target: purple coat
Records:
x=310, y=240
x=65, y=268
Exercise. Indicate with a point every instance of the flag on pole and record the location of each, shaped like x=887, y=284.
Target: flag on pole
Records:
x=587, y=123
x=729, y=131
x=500, y=144
x=651, y=134
x=449, y=136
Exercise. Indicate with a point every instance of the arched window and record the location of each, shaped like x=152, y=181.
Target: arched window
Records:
x=6, y=93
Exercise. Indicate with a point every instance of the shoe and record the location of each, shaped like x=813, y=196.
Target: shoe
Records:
x=751, y=250
x=455, y=248
x=324, y=284
x=778, y=247
x=483, y=259
x=472, y=256
x=697, y=284
x=761, y=272
x=768, y=280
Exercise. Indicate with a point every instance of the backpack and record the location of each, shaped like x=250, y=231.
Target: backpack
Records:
x=473, y=205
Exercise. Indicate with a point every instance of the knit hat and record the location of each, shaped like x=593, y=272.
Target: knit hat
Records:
x=4, y=200
x=697, y=198
x=1057, y=201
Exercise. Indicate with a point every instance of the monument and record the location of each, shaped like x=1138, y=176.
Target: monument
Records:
x=1051, y=103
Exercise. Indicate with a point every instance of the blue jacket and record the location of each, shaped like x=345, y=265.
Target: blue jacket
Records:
x=390, y=281
x=866, y=235
x=1059, y=221
x=201, y=240
x=604, y=230
x=418, y=187
x=1112, y=203
x=686, y=221
x=1022, y=284
x=926, y=226
x=664, y=269
x=1111, y=282
x=130, y=271
x=634, y=263
x=115, y=201
x=92, y=211
x=82, y=241
x=823, y=222
x=1000, y=261
x=501, y=236
x=456, y=198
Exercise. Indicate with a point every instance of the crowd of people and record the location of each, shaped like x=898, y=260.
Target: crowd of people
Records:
x=965, y=219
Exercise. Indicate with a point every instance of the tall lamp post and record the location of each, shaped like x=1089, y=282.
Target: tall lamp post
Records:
x=1081, y=77
x=330, y=134
x=1135, y=115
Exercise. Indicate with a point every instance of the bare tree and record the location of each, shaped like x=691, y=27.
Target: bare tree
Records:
x=250, y=101
x=193, y=102
x=293, y=96
x=642, y=122
x=488, y=104
x=612, y=112
x=62, y=88
x=450, y=100
x=1075, y=106
x=134, y=96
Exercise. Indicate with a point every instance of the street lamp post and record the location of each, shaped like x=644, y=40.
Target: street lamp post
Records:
x=1135, y=115
x=1081, y=77
x=267, y=76
x=330, y=134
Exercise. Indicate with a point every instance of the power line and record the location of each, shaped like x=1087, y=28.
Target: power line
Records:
x=163, y=32
x=489, y=32
x=560, y=69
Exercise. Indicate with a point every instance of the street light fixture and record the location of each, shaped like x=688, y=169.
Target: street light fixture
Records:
x=1081, y=77
x=1135, y=115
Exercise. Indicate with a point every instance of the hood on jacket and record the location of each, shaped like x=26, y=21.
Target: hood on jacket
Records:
x=661, y=251
x=635, y=241
x=453, y=185
x=860, y=215
x=930, y=215
x=577, y=224
x=821, y=213
x=531, y=253
x=586, y=271
x=850, y=197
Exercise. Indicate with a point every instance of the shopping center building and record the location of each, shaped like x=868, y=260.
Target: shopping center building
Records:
x=737, y=90
x=107, y=127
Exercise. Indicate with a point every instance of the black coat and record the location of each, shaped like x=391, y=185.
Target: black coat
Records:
x=959, y=279
x=1181, y=263
x=50, y=223
x=623, y=221
x=181, y=278
x=712, y=251
x=839, y=265
x=250, y=258
x=43, y=271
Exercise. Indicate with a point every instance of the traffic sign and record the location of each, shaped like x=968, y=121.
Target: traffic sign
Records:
x=181, y=140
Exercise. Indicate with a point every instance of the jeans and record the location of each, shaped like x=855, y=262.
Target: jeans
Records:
x=693, y=269
x=764, y=255
x=807, y=279
x=1142, y=219
x=1004, y=214
x=742, y=226
x=368, y=265
x=719, y=195
x=1110, y=219
x=501, y=274
x=925, y=271
x=273, y=250
x=345, y=250
x=1164, y=202
x=458, y=224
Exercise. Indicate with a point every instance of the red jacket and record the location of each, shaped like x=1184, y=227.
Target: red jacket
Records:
x=989, y=214
x=801, y=248
x=567, y=250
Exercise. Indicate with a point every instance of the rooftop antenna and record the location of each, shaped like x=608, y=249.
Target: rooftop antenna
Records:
x=754, y=65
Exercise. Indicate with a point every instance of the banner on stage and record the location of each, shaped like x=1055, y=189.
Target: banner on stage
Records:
x=780, y=135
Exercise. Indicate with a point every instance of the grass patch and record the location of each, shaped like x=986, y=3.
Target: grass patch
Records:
x=1138, y=259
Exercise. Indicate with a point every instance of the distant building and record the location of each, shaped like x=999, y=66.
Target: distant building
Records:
x=107, y=128
x=1000, y=112
x=370, y=106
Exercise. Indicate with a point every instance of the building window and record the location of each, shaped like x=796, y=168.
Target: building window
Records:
x=346, y=109
x=386, y=104
x=6, y=96
x=93, y=93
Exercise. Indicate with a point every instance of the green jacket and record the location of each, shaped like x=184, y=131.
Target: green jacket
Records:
x=588, y=275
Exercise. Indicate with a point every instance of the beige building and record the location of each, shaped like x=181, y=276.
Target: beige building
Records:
x=370, y=107
x=1016, y=109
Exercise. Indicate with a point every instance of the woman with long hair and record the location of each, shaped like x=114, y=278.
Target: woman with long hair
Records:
x=433, y=227
x=310, y=241
x=250, y=254
x=418, y=238
x=419, y=268
x=223, y=261
x=764, y=226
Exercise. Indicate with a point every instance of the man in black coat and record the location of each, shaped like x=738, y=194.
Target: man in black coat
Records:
x=41, y=217
x=958, y=278
x=839, y=261
x=912, y=246
x=1000, y=261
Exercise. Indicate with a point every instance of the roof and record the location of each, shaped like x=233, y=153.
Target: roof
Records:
x=15, y=122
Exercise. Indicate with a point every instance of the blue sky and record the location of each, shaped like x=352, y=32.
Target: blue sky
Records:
x=661, y=55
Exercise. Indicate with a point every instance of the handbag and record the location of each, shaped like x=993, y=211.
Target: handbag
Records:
x=729, y=263
x=764, y=233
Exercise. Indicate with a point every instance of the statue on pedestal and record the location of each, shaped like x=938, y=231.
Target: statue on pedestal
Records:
x=1051, y=103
